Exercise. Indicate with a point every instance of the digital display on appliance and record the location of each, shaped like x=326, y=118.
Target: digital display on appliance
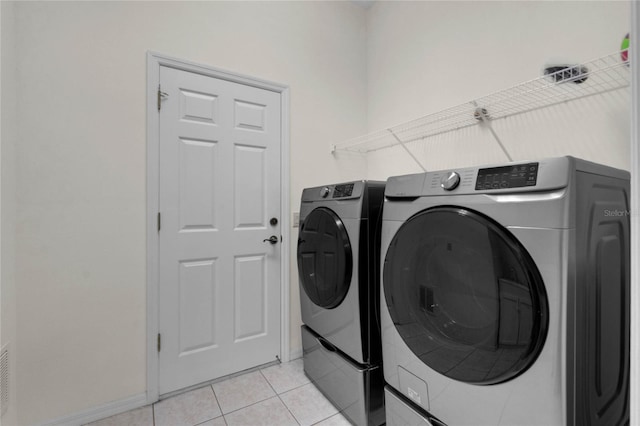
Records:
x=341, y=191
x=515, y=176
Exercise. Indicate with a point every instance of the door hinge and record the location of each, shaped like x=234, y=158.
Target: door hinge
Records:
x=161, y=97
x=159, y=222
x=159, y=342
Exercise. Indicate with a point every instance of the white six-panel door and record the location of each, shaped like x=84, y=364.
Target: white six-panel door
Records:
x=219, y=281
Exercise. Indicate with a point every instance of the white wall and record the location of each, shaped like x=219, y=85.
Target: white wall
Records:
x=424, y=57
x=80, y=165
x=8, y=135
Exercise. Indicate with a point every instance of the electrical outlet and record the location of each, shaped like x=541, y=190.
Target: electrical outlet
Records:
x=296, y=219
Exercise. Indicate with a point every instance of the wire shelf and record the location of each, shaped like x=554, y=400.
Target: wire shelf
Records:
x=560, y=84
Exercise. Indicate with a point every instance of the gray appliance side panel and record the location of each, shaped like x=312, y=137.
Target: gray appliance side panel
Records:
x=599, y=393
x=585, y=166
x=368, y=279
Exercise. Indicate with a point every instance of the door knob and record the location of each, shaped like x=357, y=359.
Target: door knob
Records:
x=272, y=239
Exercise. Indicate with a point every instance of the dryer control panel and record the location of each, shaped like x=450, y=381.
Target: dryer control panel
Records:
x=338, y=192
x=531, y=176
x=513, y=176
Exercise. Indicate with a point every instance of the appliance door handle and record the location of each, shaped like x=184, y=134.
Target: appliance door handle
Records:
x=328, y=346
x=436, y=422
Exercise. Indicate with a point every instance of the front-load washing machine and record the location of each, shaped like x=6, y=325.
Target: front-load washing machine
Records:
x=505, y=294
x=338, y=263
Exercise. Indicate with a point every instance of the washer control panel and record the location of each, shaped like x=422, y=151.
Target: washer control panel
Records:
x=342, y=191
x=514, y=176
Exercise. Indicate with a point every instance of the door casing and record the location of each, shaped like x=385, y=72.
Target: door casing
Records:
x=154, y=62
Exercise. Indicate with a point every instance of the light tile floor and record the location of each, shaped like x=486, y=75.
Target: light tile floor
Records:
x=278, y=395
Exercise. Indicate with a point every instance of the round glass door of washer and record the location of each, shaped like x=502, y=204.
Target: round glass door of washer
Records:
x=465, y=295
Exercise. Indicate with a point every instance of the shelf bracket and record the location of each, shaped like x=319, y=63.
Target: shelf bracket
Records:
x=481, y=115
x=407, y=149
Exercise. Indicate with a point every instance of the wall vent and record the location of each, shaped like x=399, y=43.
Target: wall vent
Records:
x=4, y=380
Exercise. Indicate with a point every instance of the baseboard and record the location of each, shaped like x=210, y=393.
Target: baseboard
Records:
x=100, y=412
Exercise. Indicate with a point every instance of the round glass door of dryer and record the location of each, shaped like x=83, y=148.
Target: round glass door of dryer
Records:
x=325, y=259
x=465, y=295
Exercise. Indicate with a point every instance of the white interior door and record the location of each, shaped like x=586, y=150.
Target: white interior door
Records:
x=219, y=280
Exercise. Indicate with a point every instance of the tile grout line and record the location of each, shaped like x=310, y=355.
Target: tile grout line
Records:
x=288, y=390
x=271, y=386
x=287, y=407
x=222, y=414
x=320, y=421
x=153, y=405
x=298, y=387
x=275, y=394
x=268, y=382
x=281, y=401
x=247, y=406
x=215, y=397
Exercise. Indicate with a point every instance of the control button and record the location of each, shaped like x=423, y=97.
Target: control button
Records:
x=450, y=181
x=504, y=185
x=324, y=192
x=349, y=190
x=496, y=185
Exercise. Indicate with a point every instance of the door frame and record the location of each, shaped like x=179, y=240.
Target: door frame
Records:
x=154, y=62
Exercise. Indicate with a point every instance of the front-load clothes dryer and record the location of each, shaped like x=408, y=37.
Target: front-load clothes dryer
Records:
x=338, y=266
x=505, y=293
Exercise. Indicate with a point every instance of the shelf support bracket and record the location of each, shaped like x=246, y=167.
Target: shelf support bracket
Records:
x=482, y=115
x=407, y=149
